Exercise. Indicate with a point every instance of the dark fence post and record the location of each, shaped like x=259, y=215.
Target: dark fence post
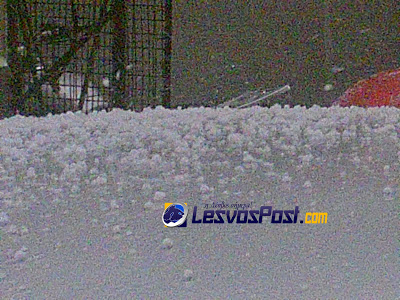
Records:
x=3, y=27
x=119, y=57
x=166, y=68
x=14, y=61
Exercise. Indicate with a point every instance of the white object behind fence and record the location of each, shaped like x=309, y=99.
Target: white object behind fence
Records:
x=71, y=89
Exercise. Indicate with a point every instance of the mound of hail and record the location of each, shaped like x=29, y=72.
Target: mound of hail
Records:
x=161, y=154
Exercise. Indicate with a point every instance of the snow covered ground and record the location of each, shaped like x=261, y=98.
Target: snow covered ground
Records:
x=81, y=200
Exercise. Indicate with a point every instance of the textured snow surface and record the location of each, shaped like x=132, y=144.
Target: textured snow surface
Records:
x=81, y=199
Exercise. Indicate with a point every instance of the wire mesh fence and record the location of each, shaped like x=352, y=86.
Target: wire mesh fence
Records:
x=88, y=55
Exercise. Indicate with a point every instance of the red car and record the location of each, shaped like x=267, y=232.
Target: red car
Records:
x=382, y=89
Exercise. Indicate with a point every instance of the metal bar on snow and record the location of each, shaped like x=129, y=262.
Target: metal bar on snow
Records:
x=278, y=91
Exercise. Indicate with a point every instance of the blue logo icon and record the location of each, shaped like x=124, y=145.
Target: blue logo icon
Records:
x=175, y=215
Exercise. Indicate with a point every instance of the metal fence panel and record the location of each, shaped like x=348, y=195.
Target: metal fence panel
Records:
x=87, y=55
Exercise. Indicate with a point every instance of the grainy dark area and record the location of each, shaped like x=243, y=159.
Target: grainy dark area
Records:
x=273, y=43
x=222, y=49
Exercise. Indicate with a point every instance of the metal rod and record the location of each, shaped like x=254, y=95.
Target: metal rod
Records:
x=278, y=91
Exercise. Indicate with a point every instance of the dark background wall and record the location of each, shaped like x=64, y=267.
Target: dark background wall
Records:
x=224, y=48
